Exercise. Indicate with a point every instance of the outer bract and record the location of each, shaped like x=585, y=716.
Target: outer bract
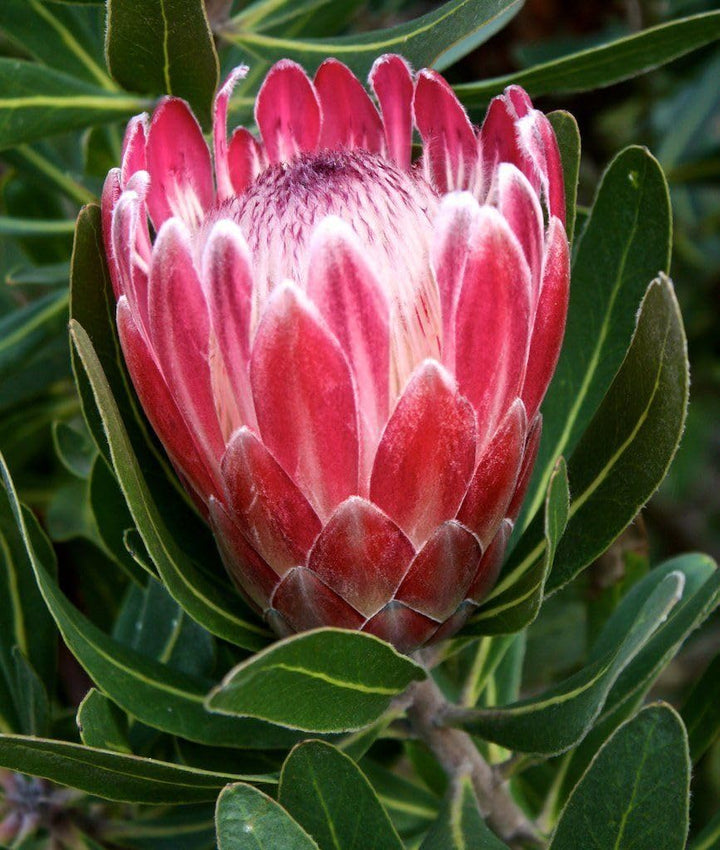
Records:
x=343, y=351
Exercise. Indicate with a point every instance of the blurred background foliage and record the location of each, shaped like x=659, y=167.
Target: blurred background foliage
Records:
x=673, y=110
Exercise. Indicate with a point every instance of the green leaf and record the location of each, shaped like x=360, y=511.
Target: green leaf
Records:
x=568, y=138
x=68, y=514
x=112, y=776
x=623, y=246
x=287, y=16
x=436, y=38
x=32, y=700
x=701, y=595
x=560, y=717
x=25, y=622
x=635, y=792
x=37, y=102
x=92, y=305
x=208, y=601
x=189, y=827
x=13, y=226
x=327, y=794
x=45, y=275
x=29, y=328
x=247, y=819
x=460, y=824
x=163, y=46
x=515, y=601
x=701, y=711
x=101, y=723
x=74, y=448
x=627, y=448
x=59, y=37
x=411, y=807
x=112, y=520
x=327, y=680
x=604, y=65
x=161, y=629
x=145, y=688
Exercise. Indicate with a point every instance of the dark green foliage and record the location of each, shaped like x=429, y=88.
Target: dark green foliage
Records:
x=179, y=721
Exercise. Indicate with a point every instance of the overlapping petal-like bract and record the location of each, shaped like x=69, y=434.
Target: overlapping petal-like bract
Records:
x=344, y=351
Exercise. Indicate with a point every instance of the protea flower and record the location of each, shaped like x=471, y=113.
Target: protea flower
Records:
x=344, y=351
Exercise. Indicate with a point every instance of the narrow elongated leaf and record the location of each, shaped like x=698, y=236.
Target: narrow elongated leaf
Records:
x=487, y=654
x=37, y=102
x=411, y=807
x=327, y=794
x=12, y=226
x=32, y=700
x=92, y=305
x=701, y=711
x=25, y=330
x=560, y=717
x=25, y=622
x=56, y=36
x=101, y=723
x=635, y=792
x=208, y=602
x=701, y=595
x=147, y=689
x=617, y=467
x=154, y=624
x=289, y=15
x=514, y=604
x=328, y=680
x=74, y=448
x=607, y=64
x=45, y=275
x=189, y=827
x=247, y=819
x=163, y=47
x=624, y=245
x=113, y=776
x=568, y=137
x=627, y=448
x=435, y=38
x=460, y=824
x=113, y=520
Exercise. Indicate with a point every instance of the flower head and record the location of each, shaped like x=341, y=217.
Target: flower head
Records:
x=344, y=351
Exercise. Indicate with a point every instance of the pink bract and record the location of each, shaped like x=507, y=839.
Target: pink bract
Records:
x=344, y=351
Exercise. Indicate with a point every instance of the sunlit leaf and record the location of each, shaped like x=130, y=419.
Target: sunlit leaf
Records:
x=36, y=102
x=560, y=717
x=436, y=38
x=328, y=680
x=604, y=65
x=114, y=776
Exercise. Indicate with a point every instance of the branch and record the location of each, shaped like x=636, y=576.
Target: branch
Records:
x=457, y=754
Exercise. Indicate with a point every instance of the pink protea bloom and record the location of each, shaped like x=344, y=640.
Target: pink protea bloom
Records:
x=344, y=351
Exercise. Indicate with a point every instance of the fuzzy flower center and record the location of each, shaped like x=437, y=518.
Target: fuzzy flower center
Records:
x=391, y=213
x=389, y=210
